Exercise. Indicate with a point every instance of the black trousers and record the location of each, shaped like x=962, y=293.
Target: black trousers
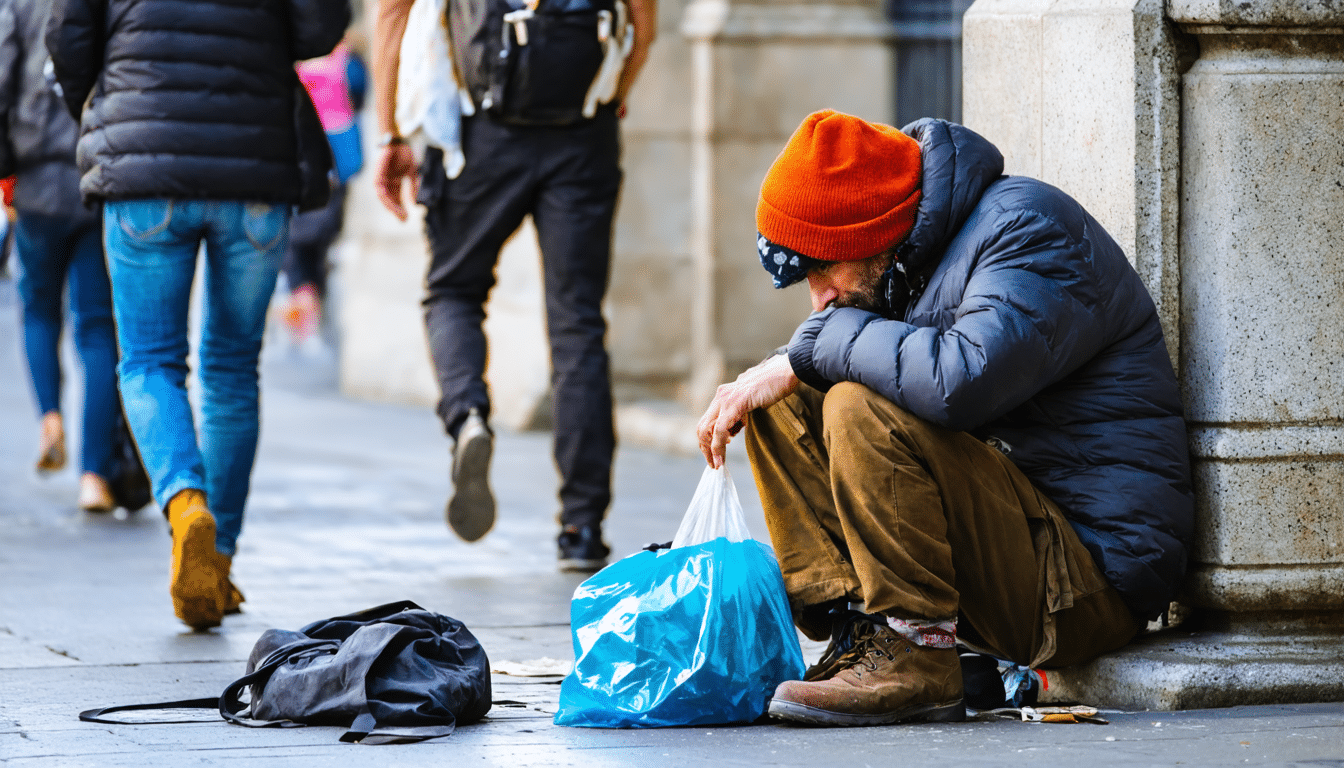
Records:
x=567, y=179
x=311, y=235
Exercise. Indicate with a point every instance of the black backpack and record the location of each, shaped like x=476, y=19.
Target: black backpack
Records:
x=391, y=674
x=528, y=66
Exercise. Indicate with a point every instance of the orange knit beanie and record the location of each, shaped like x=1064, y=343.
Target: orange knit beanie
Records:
x=843, y=188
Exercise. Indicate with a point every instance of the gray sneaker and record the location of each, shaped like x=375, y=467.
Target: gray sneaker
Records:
x=471, y=509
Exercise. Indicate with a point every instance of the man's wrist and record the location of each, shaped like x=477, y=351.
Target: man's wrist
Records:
x=390, y=138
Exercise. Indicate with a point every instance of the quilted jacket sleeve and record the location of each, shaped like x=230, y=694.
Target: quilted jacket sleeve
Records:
x=1023, y=321
x=76, y=39
x=11, y=66
x=317, y=26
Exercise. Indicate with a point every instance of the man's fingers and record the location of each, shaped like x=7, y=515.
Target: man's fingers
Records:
x=704, y=431
x=393, y=168
x=389, y=194
x=729, y=423
x=719, y=444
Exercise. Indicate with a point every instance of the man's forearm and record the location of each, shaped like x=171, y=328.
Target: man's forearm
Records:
x=644, y=19
x=389, y=26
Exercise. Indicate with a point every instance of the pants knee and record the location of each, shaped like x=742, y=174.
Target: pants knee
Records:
x=854, y=407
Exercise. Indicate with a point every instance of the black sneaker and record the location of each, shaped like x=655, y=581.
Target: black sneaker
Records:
x=471, y=510
x=581, y=549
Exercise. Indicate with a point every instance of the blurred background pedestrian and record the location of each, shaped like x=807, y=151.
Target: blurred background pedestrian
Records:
x=58, y=242
x=336, y=82
x=550, y=150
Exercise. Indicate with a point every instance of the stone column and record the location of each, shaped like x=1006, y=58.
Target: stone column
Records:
x=1262, y=263
x=759, y=67
x=1240, y=107
x=1262, y=366
x=1102, y=126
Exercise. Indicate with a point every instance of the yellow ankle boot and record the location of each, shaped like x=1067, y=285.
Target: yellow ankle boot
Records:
x=234, y=603
x=199, y=578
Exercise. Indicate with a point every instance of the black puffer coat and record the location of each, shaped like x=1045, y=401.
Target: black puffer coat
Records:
x=1027, y=324
x=190, y=98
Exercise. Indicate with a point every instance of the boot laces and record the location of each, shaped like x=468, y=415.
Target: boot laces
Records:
x=867, y=649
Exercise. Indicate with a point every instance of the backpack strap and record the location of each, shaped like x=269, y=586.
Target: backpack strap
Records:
x=366, y=730
x=100, y=715
x=230, y=702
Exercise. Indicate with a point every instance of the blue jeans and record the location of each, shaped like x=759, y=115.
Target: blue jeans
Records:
x=52, y=250
x=151, y=252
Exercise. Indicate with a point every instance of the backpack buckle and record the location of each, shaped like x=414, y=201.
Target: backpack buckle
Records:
x=519, y=19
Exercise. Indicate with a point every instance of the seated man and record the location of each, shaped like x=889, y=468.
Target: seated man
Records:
x=977, y=434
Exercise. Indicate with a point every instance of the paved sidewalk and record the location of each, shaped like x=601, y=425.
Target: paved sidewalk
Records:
x=346, y=513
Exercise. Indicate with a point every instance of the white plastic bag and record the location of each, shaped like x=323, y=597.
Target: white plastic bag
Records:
x=429, y=104
x=714, y=512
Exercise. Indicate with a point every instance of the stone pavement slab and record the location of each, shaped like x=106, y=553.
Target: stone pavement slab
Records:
x=346, y=513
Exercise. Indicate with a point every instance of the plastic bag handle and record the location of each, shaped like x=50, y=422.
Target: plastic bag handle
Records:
x=715, y=512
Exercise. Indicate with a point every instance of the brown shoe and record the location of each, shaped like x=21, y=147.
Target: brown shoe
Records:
x=234, y=603
x=850, y=630
x=890, y=680
x=236, y=600
x=94, y=494
x=51, y=445
x=198, y=582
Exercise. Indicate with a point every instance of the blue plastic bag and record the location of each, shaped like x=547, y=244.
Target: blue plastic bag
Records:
x=698, y=634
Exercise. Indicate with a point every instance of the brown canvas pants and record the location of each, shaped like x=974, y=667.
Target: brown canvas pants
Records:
x=868, y=503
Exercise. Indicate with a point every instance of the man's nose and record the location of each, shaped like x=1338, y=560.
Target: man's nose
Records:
x=823, y=293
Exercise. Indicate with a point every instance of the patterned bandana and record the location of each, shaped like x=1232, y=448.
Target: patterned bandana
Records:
x=785, y=265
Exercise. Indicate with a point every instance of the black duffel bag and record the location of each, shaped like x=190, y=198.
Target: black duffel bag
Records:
x=392, y=674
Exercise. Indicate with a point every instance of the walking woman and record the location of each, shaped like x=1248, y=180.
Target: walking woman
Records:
x=59, y=243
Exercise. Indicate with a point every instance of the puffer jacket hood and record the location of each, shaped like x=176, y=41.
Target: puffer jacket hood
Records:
x=1023, y=323
x=958, y=164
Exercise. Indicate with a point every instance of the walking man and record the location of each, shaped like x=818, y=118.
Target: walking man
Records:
x=189, y=137
x=530, y=148
x=977, y=434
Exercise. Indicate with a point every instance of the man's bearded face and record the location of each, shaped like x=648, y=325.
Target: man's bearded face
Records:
x=855, y=284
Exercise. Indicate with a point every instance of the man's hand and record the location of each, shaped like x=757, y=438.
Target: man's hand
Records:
x=396, y=165
x=758, y=387
x=397, y=161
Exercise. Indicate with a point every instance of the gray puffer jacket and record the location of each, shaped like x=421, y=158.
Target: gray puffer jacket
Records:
x=37, y=134
x=1019, y=318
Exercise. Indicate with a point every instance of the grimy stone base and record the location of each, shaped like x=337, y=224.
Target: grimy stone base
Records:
x=1260, y=662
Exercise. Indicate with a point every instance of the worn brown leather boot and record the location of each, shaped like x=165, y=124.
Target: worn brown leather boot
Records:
x=199, y=578
x=850, y=630
x=889, y=680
